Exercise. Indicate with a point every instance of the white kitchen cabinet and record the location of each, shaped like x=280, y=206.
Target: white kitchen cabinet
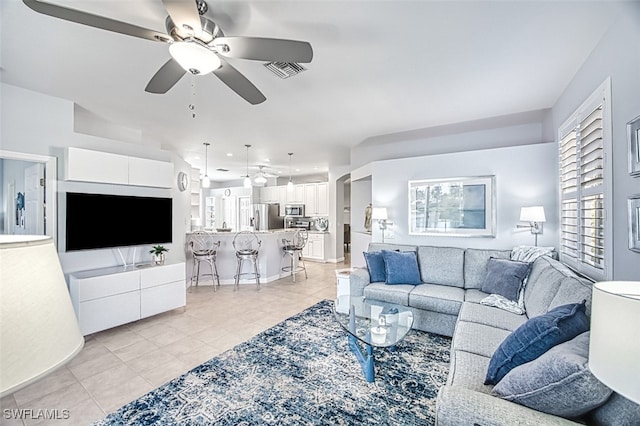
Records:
x=314, y=249
x=282, y=198
x=108, y=297
x=104, y=167
x=316, y=199
x=269, y=194
x=296, y=196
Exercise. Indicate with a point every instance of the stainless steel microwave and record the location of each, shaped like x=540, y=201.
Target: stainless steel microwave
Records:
x=295, y=210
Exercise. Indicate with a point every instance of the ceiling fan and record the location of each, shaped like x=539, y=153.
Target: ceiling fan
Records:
x=196, y=45
x=261, y=177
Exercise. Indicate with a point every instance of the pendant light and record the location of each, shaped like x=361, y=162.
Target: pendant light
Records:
x=206, y=182
x=247, y=179
x=290, y=183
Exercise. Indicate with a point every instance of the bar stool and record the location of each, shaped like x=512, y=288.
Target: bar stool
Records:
x=204, y=249
x=247, y=246
x=293, y=249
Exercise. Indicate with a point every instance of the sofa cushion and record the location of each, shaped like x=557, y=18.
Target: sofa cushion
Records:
x=441, y=265
x=573, y=290
x=401, y=267
x=468, y=370
x=557, y=382
x=473, y=295
x=375, y=266
x=505, y=277
x=618, y=411
x=493, y=317
x=480, y=339
x=535, y=337
x=398, y=294
x=475, y=265
x=543, y=283
x=437, y=298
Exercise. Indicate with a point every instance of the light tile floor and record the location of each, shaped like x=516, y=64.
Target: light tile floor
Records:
x=121, y=364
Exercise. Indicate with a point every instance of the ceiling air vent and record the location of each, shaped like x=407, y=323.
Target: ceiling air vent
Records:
x=285, y=69
x=222, y=170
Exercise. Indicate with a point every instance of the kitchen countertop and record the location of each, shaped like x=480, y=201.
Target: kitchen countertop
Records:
x=270, y=231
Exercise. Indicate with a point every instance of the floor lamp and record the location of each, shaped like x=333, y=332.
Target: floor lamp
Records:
x=38, y=328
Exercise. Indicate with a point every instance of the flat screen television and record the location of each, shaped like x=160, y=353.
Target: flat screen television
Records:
x=103, y=221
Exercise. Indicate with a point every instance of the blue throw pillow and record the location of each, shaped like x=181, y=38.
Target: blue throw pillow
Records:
x=375, y=265
x=505, y=277
x=401, y=267
x=535, y=337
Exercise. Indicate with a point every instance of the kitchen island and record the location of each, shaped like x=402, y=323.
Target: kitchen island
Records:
x=269, y=257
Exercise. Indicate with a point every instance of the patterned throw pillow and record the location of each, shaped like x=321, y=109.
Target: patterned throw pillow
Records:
x=375, y=265
x=558, y=382
x=535, y=337
x=401, y=267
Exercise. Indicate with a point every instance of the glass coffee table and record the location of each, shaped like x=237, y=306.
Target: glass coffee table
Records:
x=372, y=323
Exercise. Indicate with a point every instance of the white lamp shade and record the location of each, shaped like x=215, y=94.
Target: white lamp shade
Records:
x=206, y=182
x=192, y=56
x=379, y=213
x=38, y=327
x=532, y=214
x=614, y=349
x=247, y=182
x=260, y=180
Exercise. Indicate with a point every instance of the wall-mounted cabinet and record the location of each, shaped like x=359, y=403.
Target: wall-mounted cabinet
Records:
x=315, y=197
x=103, y=167
x=106, y=298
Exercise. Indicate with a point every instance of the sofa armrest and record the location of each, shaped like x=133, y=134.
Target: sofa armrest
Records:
x=359, y=279
x=461, y=406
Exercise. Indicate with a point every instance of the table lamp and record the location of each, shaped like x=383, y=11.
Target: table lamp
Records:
x=38, y=327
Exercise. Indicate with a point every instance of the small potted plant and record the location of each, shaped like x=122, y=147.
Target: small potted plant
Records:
x=158, y=254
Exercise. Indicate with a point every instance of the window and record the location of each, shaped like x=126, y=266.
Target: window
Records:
x=585, y=182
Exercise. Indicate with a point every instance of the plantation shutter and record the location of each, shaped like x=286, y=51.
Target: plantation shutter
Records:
x=583, y=233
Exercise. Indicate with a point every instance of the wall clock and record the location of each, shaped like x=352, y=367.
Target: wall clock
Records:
x=183, y=181
x=227, y=192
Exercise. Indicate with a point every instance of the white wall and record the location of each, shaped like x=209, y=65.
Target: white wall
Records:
x=617, y=56
x=39, y=124
x=525, y=175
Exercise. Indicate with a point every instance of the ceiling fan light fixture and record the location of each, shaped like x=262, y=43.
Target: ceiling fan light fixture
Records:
x=260, y=180
x=194, y=57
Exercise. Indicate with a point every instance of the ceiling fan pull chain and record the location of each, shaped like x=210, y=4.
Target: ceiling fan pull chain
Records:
x=192, y=104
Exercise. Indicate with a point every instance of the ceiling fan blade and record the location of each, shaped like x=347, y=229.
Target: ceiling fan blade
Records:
x=264, y=49
x=166, y=77
x=239, y=83
x=95, y=21
x=184, y=14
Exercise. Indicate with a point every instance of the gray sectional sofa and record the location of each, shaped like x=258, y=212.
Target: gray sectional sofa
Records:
x=448, y=303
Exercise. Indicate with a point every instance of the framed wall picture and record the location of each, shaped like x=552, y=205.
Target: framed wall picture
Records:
x=633, y=135
x=634, y=222
x=463, y=206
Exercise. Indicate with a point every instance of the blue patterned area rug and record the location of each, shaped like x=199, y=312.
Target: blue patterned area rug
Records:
x=300, y=372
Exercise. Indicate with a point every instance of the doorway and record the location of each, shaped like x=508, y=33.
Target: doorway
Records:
x=27, y=194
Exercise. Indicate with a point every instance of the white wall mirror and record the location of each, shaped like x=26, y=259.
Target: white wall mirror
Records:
x=463, y=206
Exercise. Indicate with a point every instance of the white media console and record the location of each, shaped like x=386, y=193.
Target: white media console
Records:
x=108, y=297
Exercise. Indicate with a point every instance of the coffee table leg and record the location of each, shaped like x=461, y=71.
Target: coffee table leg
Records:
x=366, y=362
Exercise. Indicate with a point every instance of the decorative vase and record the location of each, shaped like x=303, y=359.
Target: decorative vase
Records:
x=158, y=258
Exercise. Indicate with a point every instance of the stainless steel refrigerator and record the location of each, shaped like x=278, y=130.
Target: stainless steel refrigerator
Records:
x=266, y=216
